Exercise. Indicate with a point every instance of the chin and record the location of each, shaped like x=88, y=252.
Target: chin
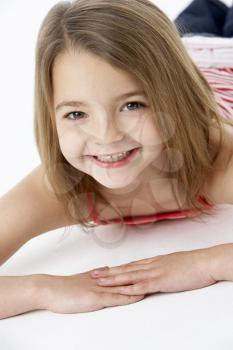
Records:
x=113, y=186
x=121, y=186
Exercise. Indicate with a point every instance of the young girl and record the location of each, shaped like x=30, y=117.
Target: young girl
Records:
x=114, y=78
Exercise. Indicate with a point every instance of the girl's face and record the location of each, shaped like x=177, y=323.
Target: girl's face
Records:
x=103, y=121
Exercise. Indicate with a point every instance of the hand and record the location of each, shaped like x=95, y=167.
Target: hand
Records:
x=180, y=271
x=81, y=293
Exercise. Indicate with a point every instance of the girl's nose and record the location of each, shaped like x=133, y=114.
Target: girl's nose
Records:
x=107, y=131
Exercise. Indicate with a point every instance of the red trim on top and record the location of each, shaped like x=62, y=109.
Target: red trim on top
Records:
x=145, y=218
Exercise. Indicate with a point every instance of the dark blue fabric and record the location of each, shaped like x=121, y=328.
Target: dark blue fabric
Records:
x=206, y=17
x=228, y=25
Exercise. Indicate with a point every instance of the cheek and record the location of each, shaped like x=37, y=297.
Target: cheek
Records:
x=149, y=135
x=70, y=144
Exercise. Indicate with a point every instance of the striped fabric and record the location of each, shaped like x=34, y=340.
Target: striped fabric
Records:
x=210, y=52
x=214, y=57
x=221, y=81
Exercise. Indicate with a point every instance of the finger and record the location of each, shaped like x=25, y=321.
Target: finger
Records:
x=127, y=278
x=98, y=269
x=121, y=269
x=143, y=287
x=143, y=261
x=110, y=299
x=108, y=289
x=146, y=261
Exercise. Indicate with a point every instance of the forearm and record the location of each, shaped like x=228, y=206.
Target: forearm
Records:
x=19, y=294
x=221, y=266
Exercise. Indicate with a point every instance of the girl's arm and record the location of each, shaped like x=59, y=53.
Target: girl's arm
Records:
x=19, y=294
x=221, y=267
x=26, y=211
x=174, y=272
x=59, y=294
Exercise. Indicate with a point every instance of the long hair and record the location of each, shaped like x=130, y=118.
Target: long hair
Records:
x=138, y=37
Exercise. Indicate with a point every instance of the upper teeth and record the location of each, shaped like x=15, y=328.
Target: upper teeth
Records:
x=114, y=158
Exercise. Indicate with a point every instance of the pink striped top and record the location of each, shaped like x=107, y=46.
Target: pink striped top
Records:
x=214, y=57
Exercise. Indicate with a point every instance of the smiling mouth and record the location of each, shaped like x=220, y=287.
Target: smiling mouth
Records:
x=110, y=154
x=118, y=162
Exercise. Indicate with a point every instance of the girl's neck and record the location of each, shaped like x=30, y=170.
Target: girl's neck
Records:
x=148, y=198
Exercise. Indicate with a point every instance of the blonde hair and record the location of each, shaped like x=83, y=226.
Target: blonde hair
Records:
x=138, y=37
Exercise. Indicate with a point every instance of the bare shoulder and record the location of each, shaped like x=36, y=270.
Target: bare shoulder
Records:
x=227, y=183
x=26, y=211
x=220, y=185
x=51, y=210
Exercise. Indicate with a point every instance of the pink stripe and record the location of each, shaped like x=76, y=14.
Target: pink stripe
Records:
x=222, y=86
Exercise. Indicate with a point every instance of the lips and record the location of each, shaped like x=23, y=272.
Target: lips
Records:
x=119, y=163
x=111, y=154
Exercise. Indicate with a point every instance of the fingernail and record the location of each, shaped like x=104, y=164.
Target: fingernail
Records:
x=96, y=272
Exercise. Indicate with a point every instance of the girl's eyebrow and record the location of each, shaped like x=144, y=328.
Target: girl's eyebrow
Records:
x=82, y=103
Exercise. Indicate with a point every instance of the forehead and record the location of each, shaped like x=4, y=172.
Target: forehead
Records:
x=84, y=74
